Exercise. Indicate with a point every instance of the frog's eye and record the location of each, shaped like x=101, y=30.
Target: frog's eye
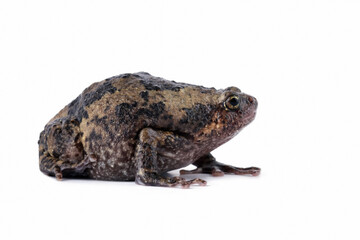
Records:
x=232, y=103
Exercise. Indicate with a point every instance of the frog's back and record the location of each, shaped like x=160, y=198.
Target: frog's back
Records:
x=118, y=107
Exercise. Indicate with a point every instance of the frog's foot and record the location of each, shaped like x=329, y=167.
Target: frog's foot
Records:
x=208, y=164
x=219, y=171
x=254, y=171
x=51, y=166
x=58, y=173
x=61, y=169
x=149, y=178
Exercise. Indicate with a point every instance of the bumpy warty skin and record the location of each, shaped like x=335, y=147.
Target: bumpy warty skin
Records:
x=97, y=134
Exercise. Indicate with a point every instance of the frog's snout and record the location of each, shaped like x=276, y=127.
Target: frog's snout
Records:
x=252, y=101
x=248, y=104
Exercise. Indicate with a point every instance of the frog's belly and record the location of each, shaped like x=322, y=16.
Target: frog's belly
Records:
x=113, y=170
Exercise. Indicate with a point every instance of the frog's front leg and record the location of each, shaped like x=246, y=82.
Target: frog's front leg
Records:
x=208, y=164
x=149, y=167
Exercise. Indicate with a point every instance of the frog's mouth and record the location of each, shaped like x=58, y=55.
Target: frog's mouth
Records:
x=248, y=118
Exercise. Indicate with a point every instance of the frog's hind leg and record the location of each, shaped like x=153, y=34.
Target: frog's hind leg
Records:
x=208, y=164
x=50, y=166
x=61, y=153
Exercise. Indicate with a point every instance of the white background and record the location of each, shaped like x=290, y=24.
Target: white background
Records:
x=300, y=59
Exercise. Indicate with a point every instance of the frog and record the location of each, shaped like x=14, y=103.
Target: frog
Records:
x=138, y=127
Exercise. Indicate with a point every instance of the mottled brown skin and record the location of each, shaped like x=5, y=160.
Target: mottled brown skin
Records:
x=138, y=127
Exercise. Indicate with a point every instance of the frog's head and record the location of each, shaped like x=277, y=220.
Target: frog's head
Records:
x=233, y=111
x=237, y=109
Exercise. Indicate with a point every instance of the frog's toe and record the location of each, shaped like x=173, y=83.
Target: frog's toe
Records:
x=198, y=181
x=216, y=172
x=254, y=171
x=58, y=174
x=186, y=183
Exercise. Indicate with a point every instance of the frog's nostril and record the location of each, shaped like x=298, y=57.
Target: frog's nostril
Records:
x=250, y=99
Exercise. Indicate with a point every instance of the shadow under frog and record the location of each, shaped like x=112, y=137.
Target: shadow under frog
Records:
x=137, y=127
